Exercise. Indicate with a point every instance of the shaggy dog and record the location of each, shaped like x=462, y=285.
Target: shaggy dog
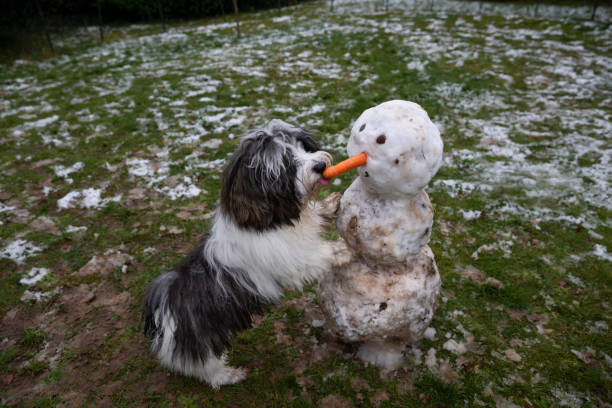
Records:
x=265, y=237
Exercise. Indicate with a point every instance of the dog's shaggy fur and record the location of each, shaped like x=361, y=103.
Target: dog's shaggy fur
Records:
x=266, y=237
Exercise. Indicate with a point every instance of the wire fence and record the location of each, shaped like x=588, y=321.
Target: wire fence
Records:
x=589, y=10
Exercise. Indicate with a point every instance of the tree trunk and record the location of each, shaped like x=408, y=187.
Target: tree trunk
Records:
x=595, y=4
x=100, y=28
x=44, y=22
x=236, y=15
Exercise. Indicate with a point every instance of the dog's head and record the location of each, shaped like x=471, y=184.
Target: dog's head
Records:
x=271, y=176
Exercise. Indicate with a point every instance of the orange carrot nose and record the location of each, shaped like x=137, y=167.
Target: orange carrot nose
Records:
x=345, y=165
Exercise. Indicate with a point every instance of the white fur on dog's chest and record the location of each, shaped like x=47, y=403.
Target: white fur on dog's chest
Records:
x=286, y=257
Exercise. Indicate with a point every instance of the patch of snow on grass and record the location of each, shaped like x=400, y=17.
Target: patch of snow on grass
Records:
x=35, y=275
x=601, y=251
x=63, y=171
x=19, y=250
x=454, y=347
x=503, y=246
x=184, y=190
x=575, y=280
x=212, y=143
x=5, y=208
x=71, y=228
x=34, y=296
x=283, y=19
x=89, y=198
x=41, y=122
x=152, y=171
x=470, y=214
x=214, y=164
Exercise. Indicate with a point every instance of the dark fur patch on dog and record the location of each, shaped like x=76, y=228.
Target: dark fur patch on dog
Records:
x=207, y=305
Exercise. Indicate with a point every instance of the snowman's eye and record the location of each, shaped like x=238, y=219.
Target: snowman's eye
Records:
x=362, y=127
x=381, y=139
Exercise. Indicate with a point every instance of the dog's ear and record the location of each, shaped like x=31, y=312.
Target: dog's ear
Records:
x=259, y=190
x=309, y=143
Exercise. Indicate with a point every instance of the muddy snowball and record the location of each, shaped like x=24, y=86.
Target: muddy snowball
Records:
x=404, y=148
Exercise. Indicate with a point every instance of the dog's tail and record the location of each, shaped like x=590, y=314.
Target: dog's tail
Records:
x=156, y=305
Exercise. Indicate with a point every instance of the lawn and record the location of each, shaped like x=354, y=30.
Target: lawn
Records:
x=110, y=170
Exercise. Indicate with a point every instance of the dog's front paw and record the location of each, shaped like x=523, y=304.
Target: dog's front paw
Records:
x=328, y=208
x=341, y=253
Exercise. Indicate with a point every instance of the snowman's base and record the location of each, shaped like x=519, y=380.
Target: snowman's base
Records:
x=387, y=356
x=375, y=304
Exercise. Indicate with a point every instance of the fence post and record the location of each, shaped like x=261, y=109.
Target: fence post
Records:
x=42, y=17
x=236, y=15
x=100, y=28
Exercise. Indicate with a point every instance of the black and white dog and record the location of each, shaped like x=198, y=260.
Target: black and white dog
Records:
x=266, y=237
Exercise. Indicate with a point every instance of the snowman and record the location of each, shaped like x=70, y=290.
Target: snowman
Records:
x=385, y=296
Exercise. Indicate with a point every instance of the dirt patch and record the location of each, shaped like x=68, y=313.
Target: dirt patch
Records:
x=334, y=401
x=83, y=330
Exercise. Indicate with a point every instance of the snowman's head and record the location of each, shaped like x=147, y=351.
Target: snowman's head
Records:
x=403, y=146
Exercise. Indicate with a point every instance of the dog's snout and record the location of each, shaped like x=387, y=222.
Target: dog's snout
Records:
x=319, y=167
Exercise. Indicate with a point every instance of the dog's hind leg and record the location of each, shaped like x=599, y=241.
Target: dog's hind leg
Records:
x=216, y=372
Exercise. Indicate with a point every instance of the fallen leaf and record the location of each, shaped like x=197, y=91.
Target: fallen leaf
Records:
x=512, y=355
x=334, y=401
x=381, y=396
x=495, y=283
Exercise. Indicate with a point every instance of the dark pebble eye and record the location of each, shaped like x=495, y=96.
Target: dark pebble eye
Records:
x=396, y=161
x=381, y=139
x=362, y=127
x=367, y=174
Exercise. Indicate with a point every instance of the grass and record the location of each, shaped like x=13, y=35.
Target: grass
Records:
x=32, y=337
x=523, y=196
